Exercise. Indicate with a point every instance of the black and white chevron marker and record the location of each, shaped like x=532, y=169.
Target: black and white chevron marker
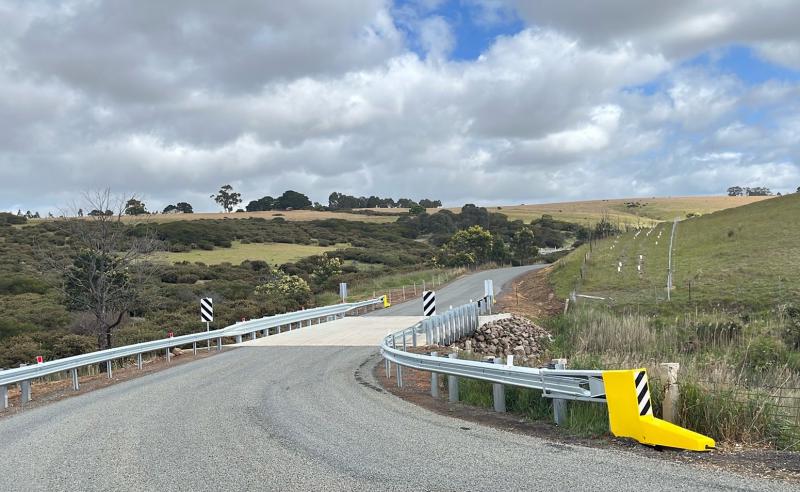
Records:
x=206, y=310
x=643, y=393
x=428, y=303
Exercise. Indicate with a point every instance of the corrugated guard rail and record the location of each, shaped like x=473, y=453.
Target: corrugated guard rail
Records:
x=626, y=392
x=28, y=373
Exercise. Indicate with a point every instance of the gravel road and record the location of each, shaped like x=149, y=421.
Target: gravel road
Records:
x=298, y=418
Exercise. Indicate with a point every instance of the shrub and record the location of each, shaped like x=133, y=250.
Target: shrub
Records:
x=791, y=331
x=764, y=353
x=71, y=344
x=17, y=284
x=729, y=415
x=285, y=287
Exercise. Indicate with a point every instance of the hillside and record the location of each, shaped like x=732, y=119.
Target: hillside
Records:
x=290, y=215
x=623, y=211
x=739, y=257
x=641, y=211
x=733, y=323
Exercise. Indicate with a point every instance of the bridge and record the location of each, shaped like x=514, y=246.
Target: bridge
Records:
x=302, y=411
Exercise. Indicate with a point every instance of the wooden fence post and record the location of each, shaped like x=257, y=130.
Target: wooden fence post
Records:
x=671, y=391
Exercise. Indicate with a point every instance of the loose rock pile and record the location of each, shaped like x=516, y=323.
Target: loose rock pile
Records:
x=511, y=336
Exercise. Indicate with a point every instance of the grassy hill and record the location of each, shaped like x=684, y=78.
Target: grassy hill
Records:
x=641, y=211
x=733, y=323
x=739, y=258
x=624, y=211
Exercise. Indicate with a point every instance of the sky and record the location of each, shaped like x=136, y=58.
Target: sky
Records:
x=467, y=101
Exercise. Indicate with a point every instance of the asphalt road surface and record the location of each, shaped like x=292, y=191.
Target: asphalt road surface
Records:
x=459, y=291
x=264, y=417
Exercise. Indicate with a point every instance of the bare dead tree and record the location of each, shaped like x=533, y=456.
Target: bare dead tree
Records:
x=105, y=271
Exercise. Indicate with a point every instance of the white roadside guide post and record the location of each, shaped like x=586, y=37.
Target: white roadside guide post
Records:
x=343, y=291
x=488, y=292
x=207, y=315
x=429, y=309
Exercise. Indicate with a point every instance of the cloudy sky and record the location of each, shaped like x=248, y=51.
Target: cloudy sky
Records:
x=486, y=101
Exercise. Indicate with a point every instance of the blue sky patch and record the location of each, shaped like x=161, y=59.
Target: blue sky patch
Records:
x=473, y=32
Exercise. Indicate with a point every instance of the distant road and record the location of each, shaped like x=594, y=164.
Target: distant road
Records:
x=302, y=418
x=459, y=291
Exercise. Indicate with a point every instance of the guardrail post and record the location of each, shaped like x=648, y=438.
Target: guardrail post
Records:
x=253, y=336
x=428, y=332
x=168, y=354
x=219, y=343
x=194, y=348
x=499, y=392
x=4, y=395
x=434, y=380
x=139, y=361
x=399, y=375
x=75, y=383
x=452, y=383
x=25, y=387
x=388, y=366
x=238, y=339
x=559, y=405
x=108, y=369
x=414, y=336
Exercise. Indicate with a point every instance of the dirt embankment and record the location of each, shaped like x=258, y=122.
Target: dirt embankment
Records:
x=531, y=296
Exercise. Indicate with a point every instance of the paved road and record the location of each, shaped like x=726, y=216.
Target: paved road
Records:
x=460, y=291
x=297, y=418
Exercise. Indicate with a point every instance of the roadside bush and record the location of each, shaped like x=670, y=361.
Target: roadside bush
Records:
x=764, y=353
x=728, y=415
x=17, y=284
x=18, y=350
x=71, y=344
x=282, y=288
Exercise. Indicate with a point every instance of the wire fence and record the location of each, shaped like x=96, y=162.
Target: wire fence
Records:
x=779, y=401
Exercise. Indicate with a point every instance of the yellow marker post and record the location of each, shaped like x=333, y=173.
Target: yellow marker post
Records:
x=386, y=303
x=630, y=414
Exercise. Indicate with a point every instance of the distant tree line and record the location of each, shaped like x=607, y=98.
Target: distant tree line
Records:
x=340, y=201
x=289, y=200
x=747, y=191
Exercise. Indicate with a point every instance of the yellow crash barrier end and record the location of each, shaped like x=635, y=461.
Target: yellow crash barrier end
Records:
x=386, y=301
x=630, y=414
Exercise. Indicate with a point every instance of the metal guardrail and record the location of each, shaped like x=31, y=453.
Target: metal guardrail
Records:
x=448, y=327
x=626, y=392
x=27, y=373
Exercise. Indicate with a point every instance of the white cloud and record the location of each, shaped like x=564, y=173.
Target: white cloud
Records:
x=436, y=37
x=324, y=96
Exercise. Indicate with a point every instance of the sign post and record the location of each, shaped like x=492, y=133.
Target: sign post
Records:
x=428, y=303
x=207, y=315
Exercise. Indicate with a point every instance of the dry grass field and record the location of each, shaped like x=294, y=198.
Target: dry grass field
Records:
x=646, y=210
x=293, y=215
x=272, y=253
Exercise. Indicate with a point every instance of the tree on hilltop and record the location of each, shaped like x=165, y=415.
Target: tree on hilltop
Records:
x=135, y=207
x=227, y=198
x=735, y=191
